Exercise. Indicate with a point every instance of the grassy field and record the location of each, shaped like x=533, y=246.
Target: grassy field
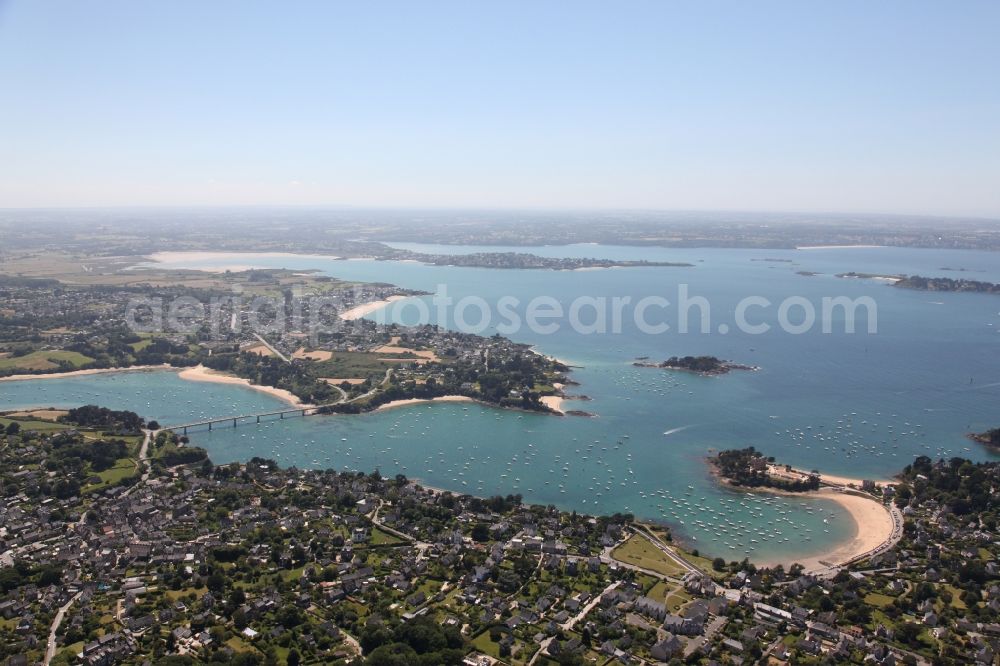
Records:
x=878, y=600
x=702, y=563
x=33, y=424
x=639, y=551
x=956, y=597
x=237, y=644
x=670, y=594
x=383, y=538
x=174, y=595
x=142, y=344
x=43, y=360
x=353, y=364
x=124, y=468
x=483, y=643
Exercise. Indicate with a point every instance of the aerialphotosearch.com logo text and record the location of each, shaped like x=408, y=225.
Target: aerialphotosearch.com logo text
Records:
x=682, y=313
x=651, y=315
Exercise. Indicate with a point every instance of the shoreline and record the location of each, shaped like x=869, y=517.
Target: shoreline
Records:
x=359, y=311
x=90, y=371
x=555, y=359
x=555, y=402
x=873, y=526
x=421, y=401
x=200, y=373
x=873, y=522
x=835, y=480
x=837, y=247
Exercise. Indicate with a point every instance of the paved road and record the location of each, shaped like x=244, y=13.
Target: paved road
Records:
x=569, y=624
x=542, y=647
x=420, y=546
x=343, y=393
x=143, y=459
x=50, y=649
x=385, y=380
x=272, y=348
x=711, y=630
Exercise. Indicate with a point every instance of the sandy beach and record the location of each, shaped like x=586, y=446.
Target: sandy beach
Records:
x=200, y=373
x=873, y=526
x=554, y=402
x=554, y=358
x=80, y=373
x=848, y=481
x=359, y=311
x=420, y=401
x=826, y=479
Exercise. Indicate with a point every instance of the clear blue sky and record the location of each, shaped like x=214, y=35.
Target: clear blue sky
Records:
x=807, y=106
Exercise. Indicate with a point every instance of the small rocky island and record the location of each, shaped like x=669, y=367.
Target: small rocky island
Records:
x=709, y=366
x=989, y=438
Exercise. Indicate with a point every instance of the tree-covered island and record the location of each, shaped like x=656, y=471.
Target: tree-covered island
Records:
x=701, y=365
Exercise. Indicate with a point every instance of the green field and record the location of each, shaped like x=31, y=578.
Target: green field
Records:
x=483, y=644
x=31, y=424
x=383, y=538
x=640, y=552
x=353, y=364
x=878, y=600
x=141, y=344
x=44, y=360
x=671, y=594
x=124, y=468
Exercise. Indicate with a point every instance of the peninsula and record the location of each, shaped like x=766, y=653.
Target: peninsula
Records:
x=522, y=260
x=989, y=438
x=321, y=352
x=921, y=283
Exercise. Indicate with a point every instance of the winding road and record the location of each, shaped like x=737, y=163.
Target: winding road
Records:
x=50, y=648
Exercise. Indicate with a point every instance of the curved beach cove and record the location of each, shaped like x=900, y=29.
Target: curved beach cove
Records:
x=854, y=405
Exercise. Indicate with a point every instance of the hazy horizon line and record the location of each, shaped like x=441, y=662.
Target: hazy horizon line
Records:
x=499, y=209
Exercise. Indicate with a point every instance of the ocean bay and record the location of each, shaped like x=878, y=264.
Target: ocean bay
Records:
x=858, y=405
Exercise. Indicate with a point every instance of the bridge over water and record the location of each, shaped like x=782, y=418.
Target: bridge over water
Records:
x=309, y=410
x=233, y=421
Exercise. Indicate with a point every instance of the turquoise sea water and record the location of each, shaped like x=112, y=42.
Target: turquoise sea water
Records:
x=860, y=405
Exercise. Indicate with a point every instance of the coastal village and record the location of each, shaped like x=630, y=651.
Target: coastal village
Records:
x=124, y=545
x=121, y=542
x=647, y=333
x=317, y=348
